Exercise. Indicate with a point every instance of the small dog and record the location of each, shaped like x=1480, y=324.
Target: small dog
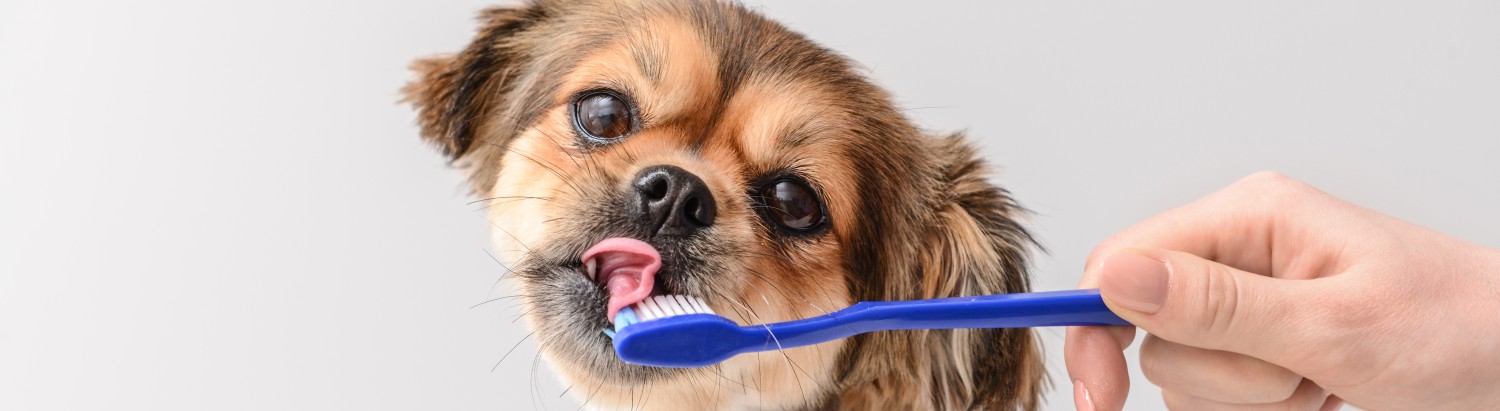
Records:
x=772, y=180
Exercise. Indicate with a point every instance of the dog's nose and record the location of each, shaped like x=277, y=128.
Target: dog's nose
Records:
x=674, y=201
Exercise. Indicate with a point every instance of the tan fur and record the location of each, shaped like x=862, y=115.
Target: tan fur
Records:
x=911, y=216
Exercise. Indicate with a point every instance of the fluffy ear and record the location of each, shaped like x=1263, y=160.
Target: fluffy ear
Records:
x=452, y=93
x=977, y=247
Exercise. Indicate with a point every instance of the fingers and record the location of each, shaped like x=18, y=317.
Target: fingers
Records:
x=1189, y=300
x=1096, y=363
x=1307, y=397
x=1240, y=226
x=1198, y=302
x=1218, y=376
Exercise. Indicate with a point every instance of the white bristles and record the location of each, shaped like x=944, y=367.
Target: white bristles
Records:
x=663, y=306
x=657, y=308
x=670, y=305
x=648, y=310
x=701, y=306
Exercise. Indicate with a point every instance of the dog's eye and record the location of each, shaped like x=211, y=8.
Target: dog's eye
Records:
x=792, y=205
x=603, y=115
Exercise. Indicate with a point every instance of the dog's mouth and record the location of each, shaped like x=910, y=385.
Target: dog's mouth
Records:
x=625, y=267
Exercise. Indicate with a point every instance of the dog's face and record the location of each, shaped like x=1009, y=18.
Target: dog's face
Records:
x=638, y=148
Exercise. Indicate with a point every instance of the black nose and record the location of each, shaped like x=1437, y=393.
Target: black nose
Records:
x=674, y=201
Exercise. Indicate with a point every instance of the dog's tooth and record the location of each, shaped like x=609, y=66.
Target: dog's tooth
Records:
x=591, y=267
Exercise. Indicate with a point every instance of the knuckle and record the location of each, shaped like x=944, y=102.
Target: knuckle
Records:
x=1264, y=382
x=1177, y=401
x=1153, y=362
x=1282, y=388
x=1271, y=187
x=1266, y=178
x=1221, y=299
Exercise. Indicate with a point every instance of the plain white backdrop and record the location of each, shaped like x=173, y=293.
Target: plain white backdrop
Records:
x=220, y=205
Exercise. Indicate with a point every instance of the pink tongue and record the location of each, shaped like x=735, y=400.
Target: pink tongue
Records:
x=627, y=268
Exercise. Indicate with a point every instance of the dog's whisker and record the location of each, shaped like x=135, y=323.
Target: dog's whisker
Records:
x=650, y=389
x=508, y=198
x=591, y=395
x=778, y=289
x=544, y=165
x=756, y=318
x=522, y=315
x=497, y=299
x=550, y=168
x=508, y=270
x=550, y=137
x=536, y=389
x=925, y=108
x=560, y=148
x=512, y=236
x=718, y=388
x=512, y=349
x=783, y=351
x=486, y=207
x=769, y=207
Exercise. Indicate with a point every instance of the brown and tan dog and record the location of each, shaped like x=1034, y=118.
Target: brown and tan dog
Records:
x=773, y=181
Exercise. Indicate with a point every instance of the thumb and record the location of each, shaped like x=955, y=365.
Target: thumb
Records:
x=1189, y=300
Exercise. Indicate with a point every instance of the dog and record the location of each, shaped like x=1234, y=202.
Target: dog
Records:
x=697, y=148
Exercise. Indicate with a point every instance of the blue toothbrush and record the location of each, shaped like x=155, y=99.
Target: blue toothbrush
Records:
x=682, y=331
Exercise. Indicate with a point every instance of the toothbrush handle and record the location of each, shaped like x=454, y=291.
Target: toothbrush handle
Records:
x=1039, y=309
x=1073, y=307
x=1020, y=310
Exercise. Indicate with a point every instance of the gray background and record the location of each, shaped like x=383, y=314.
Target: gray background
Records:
x=219, y=205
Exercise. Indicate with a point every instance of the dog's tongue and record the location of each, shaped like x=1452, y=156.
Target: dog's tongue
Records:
x=627, y=268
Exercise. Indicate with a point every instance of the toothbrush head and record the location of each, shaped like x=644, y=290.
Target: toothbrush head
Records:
x=675, y=331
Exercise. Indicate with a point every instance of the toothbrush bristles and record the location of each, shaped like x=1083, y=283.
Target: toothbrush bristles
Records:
x=658, y=307
x=663, y=306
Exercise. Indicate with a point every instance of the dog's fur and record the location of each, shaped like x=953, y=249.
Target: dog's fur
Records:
x=735, y=99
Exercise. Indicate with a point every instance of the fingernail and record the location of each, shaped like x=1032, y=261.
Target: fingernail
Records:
x=1081, y=399
x=1134, y=281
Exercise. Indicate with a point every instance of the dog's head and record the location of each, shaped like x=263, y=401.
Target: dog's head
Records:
x=696, y=148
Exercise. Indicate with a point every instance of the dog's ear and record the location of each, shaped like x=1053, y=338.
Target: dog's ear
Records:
x=977, y=247
x=453, y=92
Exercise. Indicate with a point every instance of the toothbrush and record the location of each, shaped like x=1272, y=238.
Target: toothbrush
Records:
x=682, y=331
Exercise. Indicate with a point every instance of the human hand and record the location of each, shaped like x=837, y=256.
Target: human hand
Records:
x=1271, y=294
